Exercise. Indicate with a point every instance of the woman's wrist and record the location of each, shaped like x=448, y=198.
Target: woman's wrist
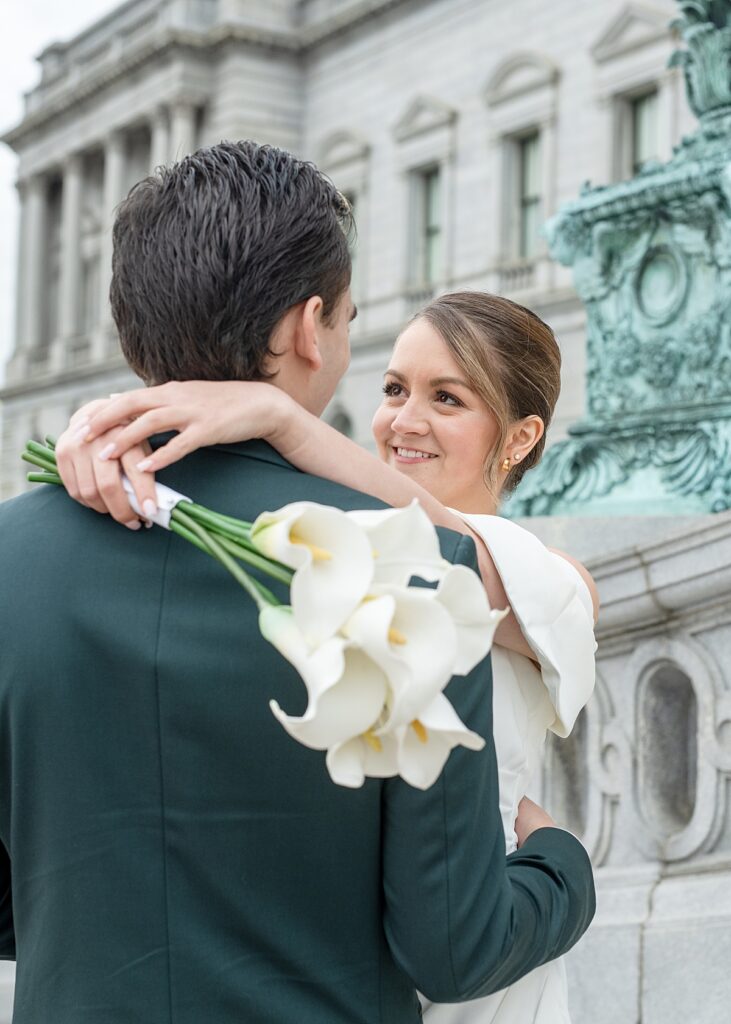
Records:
x=279, y=420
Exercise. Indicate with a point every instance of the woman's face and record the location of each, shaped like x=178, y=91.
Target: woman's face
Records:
x=431, y=425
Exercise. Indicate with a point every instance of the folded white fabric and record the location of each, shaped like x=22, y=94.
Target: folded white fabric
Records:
x=165, y=497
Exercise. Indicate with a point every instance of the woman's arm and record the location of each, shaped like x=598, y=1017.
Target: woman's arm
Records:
x=207, y=413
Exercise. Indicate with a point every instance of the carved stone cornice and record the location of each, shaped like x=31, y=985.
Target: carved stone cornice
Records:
x=164, y=41
x=48, y=380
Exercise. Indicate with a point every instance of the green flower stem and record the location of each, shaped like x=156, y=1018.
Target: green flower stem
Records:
x=250, y=585
x=41, y=450
x=36, y=460
x=50, y=442
x=231, y=529
x=217, y=518
x=183, y=532
x=44, y=478
x=221, y=536
x=241, y=551
x=236, y=551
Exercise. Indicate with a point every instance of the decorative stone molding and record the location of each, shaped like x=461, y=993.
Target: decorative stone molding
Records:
x=342, y=148
x=672, y=832
x=424, y=114
x=520, y=73
x=634, y=27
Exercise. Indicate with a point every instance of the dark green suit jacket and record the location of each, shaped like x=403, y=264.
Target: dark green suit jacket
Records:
x=176, y=858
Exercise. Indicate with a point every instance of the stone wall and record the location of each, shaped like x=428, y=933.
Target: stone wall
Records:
x=644, y=779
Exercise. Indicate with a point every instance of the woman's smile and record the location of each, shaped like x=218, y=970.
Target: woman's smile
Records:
x=411, y=456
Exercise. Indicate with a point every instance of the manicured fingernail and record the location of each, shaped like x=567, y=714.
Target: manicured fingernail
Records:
x=105, y=453
x=149, y=508
x=81, y=432
x=144, y=465
x=134, y=525
x=148, y=525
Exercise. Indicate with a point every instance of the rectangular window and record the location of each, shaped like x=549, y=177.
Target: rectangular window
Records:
x=529, y=195
x=427, y=198
x=643, y=130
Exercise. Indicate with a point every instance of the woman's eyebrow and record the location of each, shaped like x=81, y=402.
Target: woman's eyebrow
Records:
x=449, y=380
x=394, y=373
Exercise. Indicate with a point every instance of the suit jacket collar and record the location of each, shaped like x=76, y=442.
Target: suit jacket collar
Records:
x=259, y=450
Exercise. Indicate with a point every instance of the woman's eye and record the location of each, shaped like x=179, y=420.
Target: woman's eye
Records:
x=444, y=398
x=392, y=389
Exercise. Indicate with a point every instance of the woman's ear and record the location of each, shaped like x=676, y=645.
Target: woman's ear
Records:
x=523, y=436
x=305, y=341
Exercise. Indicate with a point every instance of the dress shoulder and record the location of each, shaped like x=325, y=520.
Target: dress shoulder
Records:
x=553, y=606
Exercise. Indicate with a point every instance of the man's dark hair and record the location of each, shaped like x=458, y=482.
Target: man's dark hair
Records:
x=211, y=252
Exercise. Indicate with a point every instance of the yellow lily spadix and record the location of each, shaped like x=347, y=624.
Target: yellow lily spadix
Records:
x=420, y=731
x=373, y=741
x=318, y=554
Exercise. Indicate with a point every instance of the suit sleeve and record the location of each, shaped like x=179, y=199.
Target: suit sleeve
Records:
x=462, y=920
x=7, y=935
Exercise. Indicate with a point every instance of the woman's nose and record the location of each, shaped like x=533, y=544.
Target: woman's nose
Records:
x=410, y=419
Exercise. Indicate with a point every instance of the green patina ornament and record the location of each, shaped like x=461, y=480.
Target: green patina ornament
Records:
x=652, y=263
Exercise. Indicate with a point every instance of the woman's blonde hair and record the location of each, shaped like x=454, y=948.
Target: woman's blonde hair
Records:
x=510, y=359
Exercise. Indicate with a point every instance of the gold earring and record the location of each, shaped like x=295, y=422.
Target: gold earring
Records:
x=506, y=465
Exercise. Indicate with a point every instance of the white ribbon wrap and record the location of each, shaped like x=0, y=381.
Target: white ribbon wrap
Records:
x=165, y=497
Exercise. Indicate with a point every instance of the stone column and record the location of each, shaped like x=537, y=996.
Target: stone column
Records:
x=159, y=138
x=32, y=271
x=114, y=161
x=16, y=361
x=70, y=258
x=182, y=129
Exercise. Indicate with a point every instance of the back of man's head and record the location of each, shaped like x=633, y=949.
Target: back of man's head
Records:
x=211, y=252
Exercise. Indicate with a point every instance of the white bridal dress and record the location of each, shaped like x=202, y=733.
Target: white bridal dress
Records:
x=553, y=606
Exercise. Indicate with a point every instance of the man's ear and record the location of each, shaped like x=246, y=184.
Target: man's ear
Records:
x=305, y=341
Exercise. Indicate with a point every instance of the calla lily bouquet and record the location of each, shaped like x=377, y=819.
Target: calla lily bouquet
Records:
x=375, y=654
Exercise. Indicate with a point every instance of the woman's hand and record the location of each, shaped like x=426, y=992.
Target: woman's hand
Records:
x=530, y=818
x=203, y=412
x=97, y=483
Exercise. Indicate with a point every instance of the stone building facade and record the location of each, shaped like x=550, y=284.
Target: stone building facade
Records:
x=455, y=127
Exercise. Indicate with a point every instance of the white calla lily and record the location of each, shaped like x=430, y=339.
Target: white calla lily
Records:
x=405, y=544
x=423, y=747
x=462, y=593
x=412, y=638
x=350, y=763
x=346, y=690
x=332, y=559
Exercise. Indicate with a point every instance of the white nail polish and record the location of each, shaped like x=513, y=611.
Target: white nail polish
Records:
x=144, y=465
x=81, y=432
x=134, y=525
x=149, y=508
x=105, y=453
